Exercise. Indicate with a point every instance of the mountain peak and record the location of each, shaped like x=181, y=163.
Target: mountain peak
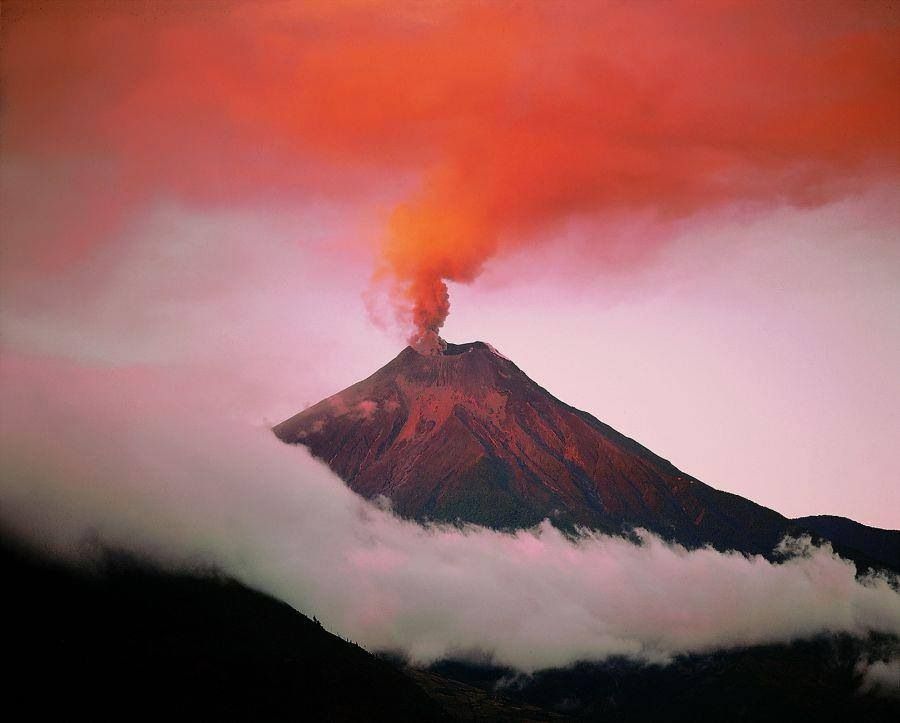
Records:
x=473, y=367
x=437, y=347
x=472, y=346
x=451, y=349
x=463, y=434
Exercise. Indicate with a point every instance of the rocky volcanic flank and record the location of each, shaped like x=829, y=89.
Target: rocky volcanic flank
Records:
x=466, y=435
x=462, y=434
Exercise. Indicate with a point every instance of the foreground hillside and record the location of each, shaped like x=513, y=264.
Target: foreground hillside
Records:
x=810, y=680
x=126, y=642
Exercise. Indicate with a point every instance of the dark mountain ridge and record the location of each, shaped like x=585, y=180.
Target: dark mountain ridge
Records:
x=872, y=543
x=123, y=640
x=119, y=638
x=465, y=435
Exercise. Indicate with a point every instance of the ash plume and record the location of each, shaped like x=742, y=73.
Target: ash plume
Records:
x=501, y=123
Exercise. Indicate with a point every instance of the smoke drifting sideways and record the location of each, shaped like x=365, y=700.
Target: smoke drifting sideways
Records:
x=594, y=112
x=495, y=124
x=139, y=460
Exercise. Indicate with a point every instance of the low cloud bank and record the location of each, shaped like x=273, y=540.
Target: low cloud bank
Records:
x=881, y=677
x=144, y=460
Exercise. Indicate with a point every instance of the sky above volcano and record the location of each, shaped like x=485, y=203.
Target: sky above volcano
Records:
x=682, y=218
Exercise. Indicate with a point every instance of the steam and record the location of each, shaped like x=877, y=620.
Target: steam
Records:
x=431, y=306
x=145, y=461
x=881, y=677
x=479, y=126
x=666, y=111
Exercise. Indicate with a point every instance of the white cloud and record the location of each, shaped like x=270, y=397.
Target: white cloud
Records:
x=881, y=677
x=146, y=461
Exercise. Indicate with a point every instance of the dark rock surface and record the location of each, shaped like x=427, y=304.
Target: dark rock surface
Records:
x=467, y=436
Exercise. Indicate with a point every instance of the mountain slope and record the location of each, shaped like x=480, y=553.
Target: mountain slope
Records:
x=873, y=543
x=125, y=641
x=466, y=435
x=818, y=679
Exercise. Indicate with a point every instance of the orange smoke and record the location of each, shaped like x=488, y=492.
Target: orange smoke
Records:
x=649, y=107
x=516, y=117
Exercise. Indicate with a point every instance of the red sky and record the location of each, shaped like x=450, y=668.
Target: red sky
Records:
x=554, y=146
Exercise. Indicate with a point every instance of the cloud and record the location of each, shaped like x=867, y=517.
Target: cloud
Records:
x=480, y=126
x=880, y=676
x=147, y=460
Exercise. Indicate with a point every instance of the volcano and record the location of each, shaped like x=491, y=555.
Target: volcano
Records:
x=464, y=435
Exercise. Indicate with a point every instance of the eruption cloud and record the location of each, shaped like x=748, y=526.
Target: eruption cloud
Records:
x=480, y=126
x=594, y=112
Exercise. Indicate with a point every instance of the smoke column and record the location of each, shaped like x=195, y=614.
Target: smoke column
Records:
x=581, y=112
x=482, y=126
